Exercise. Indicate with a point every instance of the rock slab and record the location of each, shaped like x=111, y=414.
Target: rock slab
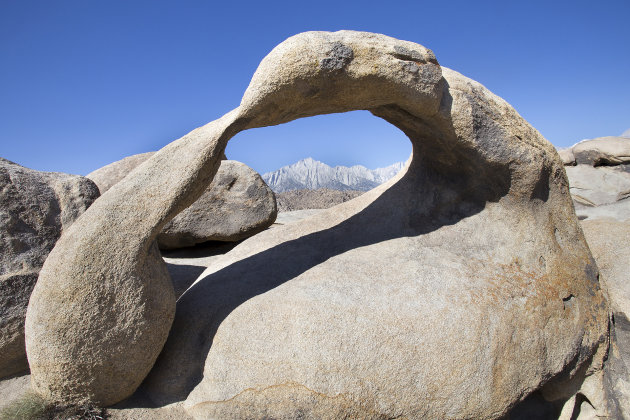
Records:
x=322, y=198
x=609, y=240
x=602, y=151
x=35, y=209
x=599, y=176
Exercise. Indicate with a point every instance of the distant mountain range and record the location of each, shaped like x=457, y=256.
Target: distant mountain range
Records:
x=312, y=174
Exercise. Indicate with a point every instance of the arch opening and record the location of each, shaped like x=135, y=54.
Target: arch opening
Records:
x=344, y=139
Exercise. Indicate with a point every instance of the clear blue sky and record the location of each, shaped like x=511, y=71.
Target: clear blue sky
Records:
x=85, y=83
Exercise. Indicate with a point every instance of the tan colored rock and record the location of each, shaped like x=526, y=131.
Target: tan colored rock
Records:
x=35, y=208
x=104, y=303
x=599, y=176
x=600, y=192
x=321, y=198
x=609, y=240
x=109, y=175
x=18, y=388
x=236, y=205
x=602, y=151
x=293, y=216
x=598, y=186
x=453, y=291
x=566, y=155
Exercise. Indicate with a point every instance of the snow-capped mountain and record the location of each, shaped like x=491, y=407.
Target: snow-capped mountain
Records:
x=312, y=174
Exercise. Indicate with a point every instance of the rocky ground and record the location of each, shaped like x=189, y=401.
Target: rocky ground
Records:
x=322, y=198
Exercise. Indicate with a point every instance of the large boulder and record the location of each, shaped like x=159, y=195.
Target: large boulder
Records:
x=600, y=192
x=599, y=177
x=602, y=151
x=35, y=208
x=104, y=303
x=609, y=240
x=237, y=204
x=107, y=176
x=453, y=291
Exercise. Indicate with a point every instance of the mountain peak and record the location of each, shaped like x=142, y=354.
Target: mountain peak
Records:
x=312, y=174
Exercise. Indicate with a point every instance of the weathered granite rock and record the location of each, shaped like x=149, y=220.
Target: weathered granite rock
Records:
x=602, y=151
x=566, y=155
x=35, y=208
x=600, y=192
x=598, y=390
x=107, y=176
x=609, y=240
x=474, y=248
x=236, y=205
x=599, y=186
x=103, y=304
x=599, y=177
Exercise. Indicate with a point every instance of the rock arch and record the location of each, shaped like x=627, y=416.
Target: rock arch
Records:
x=103, y=305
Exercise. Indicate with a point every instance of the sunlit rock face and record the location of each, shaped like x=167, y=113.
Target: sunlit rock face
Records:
x=608, y=240
x=599, y=177
x=35, y=209
x=236, y=205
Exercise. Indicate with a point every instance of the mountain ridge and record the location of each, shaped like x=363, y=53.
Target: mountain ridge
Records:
x=312, y=174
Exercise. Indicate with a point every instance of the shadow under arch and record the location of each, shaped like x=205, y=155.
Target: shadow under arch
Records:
x=431, y=193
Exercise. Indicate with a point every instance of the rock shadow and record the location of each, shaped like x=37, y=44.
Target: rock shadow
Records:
x=183, y=275
x=420, y=202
